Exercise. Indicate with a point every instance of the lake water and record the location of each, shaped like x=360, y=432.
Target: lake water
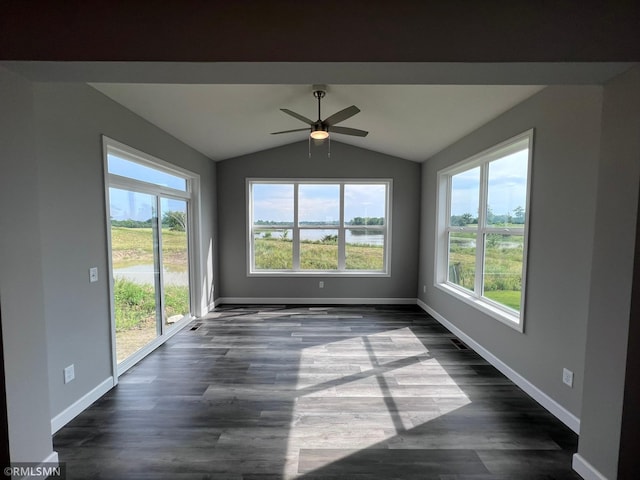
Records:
x=313, y=234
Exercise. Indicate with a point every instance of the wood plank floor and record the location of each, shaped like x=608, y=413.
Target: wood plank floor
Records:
x=315, y=393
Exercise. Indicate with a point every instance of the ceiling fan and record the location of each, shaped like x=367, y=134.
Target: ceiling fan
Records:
x=320, y=129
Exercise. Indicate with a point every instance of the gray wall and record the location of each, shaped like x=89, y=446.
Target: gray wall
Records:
x=70, y=119
x=21, y=286
x=564, y=175
x=292, y=161
x=54, y=173
x=612, y=273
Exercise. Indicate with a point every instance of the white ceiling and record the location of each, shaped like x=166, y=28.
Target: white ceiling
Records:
x=407, y=121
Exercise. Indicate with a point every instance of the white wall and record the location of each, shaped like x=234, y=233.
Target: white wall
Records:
x=562, y=209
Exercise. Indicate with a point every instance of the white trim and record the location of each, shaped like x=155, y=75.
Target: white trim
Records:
x=295, y=227
x=85, y=401
x=485, y=305
x=585, y=469
x=130, y=361
x=315, y=301
x=192, y=198
x=138, y=156
x=561, y=413
x=77, y=407
x=482, y=160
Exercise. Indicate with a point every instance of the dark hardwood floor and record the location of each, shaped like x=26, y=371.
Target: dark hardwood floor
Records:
x=316, y=393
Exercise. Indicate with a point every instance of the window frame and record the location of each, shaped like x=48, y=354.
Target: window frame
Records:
x=191, y=195
x=296, y=271
x=502, y=313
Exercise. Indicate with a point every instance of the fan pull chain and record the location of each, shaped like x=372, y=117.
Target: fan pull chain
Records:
x=309, y=146
x=329, y=151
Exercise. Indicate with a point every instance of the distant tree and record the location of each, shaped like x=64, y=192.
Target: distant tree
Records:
x=518, y=215
x=131, y=223
x=467, y=218
x=175, y=221
x=367, y=221
x=462, y=220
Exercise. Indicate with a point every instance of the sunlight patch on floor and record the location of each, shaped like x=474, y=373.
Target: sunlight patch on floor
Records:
x=339, y=383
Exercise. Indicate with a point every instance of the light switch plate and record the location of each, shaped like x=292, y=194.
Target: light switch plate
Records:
x=69, y=373
x=567, y=377
x=93, y=274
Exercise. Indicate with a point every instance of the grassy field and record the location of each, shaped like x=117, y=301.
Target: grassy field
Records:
x=277, y=254
x=503, y=266
x=135, y=303
x=134, y=246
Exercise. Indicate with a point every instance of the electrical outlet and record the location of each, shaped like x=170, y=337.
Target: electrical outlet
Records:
x=93, y=274
x=567, y=377
x=321, y=284
x=69, y=373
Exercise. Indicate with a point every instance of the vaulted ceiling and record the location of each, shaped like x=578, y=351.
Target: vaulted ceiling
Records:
x=406, y=121
x=215, y=73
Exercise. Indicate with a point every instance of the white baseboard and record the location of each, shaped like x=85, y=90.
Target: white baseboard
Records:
x=80, y=405
x=585, y=469
x=564, y=415
x=136, y=357
x=314, y=301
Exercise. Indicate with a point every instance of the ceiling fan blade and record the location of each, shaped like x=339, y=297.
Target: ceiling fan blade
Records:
x=349, y=131
x=342, y=115
x=289, y=131
x=298, y=116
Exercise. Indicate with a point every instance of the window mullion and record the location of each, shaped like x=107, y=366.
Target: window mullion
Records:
x=342, y=256
x=296, y=230
x=482, y=225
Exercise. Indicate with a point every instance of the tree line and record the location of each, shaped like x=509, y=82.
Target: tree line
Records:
x=173, y=220
x=516, y=218
x=354, y=221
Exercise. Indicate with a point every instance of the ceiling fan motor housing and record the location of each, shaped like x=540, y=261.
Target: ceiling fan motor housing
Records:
x=320, y=128
x=319, y=91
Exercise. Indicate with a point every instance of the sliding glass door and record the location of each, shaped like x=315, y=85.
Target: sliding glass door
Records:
x=136, y=269
x=175, y=260
x=149, y=209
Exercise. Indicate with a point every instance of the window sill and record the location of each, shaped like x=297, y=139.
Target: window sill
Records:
x=314, y=274
x=487, y=308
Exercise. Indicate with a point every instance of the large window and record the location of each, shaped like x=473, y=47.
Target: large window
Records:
x=310, y=226
x=482, y=229
x=150, y=208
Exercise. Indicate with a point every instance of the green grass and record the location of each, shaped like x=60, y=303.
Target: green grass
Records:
x=503, y=266
x=277, y=254
x=509, y=298
x=136, y=303
x=318, y=256
x=134, y=246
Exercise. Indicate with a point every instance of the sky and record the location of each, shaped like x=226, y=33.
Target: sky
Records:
x=507, y=186
x=317, y=202
x=125, y=168
x=126, y=205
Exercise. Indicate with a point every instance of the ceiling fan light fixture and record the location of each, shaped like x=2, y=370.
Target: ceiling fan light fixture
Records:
x=319, y=134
